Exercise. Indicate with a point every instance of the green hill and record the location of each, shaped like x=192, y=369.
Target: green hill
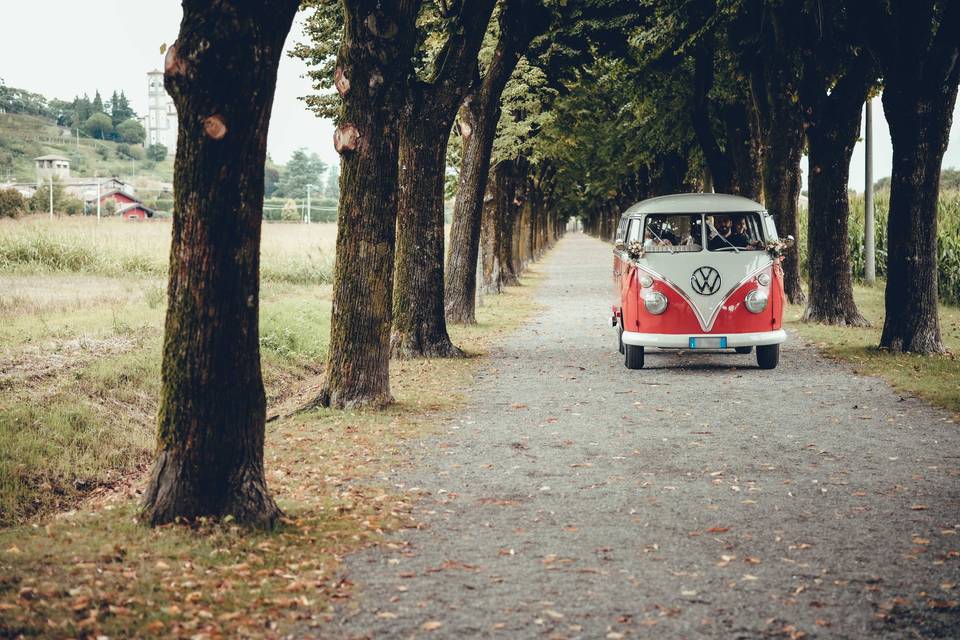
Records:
x=25, y=137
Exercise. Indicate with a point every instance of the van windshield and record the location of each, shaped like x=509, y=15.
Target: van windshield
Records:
x=734, y=232
x=688, y=232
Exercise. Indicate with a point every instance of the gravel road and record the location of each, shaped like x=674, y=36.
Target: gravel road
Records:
x=699, y=497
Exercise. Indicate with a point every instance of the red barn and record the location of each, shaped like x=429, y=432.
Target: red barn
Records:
x=136, y=212
x=128, y=207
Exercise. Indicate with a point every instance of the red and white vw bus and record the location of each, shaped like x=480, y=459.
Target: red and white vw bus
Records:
x=698, y=271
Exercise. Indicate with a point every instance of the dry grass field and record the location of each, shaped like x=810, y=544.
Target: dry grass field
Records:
x=83, y=307
x=294, y=253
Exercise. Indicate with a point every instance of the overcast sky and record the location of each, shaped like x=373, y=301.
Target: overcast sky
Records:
x=63, y=48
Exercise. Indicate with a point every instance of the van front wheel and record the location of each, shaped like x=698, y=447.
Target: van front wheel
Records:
x=768, y=356
x=633, y=356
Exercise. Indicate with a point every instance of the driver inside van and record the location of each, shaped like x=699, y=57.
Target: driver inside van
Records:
x=723, y=230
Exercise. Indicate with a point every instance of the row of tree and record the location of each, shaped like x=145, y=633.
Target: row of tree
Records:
x=402, y=72
x=728, y=94
x=114, y=119
x=561, y=108
x=303, y=168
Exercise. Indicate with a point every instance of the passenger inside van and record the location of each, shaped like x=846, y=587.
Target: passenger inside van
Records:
x=740, y=236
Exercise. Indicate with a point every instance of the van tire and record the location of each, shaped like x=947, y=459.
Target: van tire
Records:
x=768, y=356
x=620, y=338
x=743, y=349
x=633, y=356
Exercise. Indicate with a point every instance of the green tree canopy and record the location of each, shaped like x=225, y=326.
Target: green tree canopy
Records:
x=157, y=152
x=99, y=125
x=131, y=131
x=303, y=168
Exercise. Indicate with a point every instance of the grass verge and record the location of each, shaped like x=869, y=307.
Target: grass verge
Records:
x=94, y=571
x=934, y=378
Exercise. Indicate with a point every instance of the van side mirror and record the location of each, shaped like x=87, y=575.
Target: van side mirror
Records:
x=618, y=245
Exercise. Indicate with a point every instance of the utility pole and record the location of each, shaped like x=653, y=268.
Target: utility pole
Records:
x=869, y=242
x=51, y=197
x=309, y=187
x=98, y=199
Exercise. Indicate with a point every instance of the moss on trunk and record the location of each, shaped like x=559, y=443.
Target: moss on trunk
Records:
x=221, y=73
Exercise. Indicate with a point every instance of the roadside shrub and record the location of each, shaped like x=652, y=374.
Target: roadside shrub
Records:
x=130, y=152
x=71, y=206
x=40, y=250
x=12, y=203
x=40, y=200
x=157, y=152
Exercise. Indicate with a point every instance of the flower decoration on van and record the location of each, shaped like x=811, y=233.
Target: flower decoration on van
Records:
x=776, y=248
x=635, y=249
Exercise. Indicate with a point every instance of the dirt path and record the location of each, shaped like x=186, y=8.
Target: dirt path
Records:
x=698, y=497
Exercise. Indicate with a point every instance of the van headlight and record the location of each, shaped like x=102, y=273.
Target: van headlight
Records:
x=756, y=301
x=655, y=302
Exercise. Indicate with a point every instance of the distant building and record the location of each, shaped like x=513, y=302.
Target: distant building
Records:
x=86, y=188
x=161, y=119
x=56, y=166
x=83, y=188
x=128, y=207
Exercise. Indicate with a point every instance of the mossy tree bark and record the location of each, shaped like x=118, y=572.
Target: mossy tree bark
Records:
x=419, y=324
x=373, y=67
x=832, y=113
x=717, y=161
x=918, y=48
x=773, y=64
x=520, y=21
x=221, y=73
x=743, y=147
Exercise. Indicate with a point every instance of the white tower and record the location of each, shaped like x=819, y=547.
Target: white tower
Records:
x=161, y=122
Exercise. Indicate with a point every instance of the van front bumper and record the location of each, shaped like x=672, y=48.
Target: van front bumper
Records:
x=682, y=340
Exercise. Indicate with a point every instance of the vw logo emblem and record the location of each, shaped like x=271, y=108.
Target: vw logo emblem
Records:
x=705, y=281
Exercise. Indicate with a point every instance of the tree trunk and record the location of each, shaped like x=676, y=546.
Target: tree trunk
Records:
x=373, y=68
x=221, y=73
x=419, y=325
x=504, y=219
x=833, y=127
x=478, y=133
x=781, y=124
x=716, y=160
x=489, y=256
x=743, y=148
x=919, y=51
x=771, y=63
x=919, y=129
x=520, y=21
x=830, y=274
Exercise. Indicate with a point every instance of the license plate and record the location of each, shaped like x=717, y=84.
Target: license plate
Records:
x=709, y=343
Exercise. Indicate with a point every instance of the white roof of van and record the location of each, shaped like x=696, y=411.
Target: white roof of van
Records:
x=695, y=203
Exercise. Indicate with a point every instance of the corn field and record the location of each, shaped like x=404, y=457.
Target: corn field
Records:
x=948, y=240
